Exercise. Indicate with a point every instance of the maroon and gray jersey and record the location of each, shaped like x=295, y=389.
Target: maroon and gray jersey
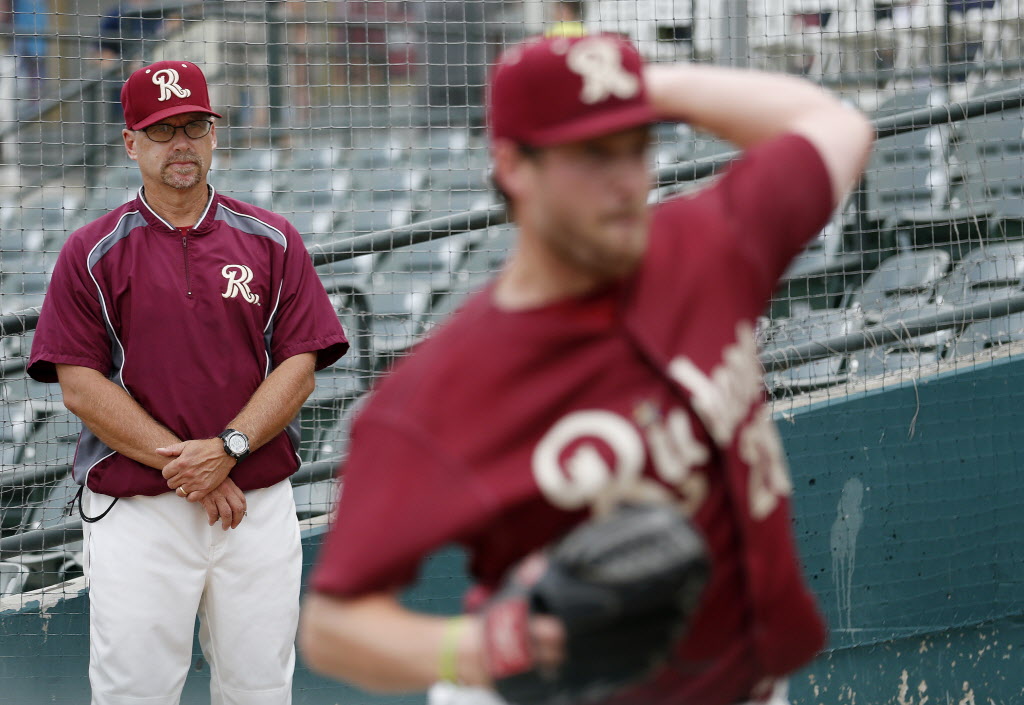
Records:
x=505, y=429
x=189, y=321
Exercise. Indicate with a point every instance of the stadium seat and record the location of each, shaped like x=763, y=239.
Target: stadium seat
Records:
x=986, y=273
x=489, y=249
x=12, y=578
x=331, y=440
x=315, y=498
x=907, y=171
x=985, y=205
x=905, y=281
x=814, y=326
x=987, y=334
x=908, y=354
x=401, y=289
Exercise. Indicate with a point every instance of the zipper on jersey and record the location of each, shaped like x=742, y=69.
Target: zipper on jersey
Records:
x=184, y=249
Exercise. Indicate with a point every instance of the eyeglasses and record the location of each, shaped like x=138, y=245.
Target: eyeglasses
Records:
x=163, y=132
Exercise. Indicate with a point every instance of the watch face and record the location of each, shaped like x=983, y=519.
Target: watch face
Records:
x=237, y=443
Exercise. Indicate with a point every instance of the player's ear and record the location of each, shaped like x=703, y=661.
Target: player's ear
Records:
x=129, y=143
x=510, y=167
x=213, y=134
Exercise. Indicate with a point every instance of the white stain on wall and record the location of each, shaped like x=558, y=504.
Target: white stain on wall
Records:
x=845, y=529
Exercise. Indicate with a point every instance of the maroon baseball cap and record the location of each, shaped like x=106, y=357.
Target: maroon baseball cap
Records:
x=163, y=89
x=554, y=90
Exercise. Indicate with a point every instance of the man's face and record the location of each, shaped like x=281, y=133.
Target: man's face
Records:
x=180, y=163
x=587, y=201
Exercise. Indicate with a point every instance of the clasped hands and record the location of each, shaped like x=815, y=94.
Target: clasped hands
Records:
x=199, y=473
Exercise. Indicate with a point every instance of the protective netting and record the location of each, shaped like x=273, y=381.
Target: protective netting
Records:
x=356, y=117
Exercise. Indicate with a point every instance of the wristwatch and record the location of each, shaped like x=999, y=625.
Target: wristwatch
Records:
x=236, y=443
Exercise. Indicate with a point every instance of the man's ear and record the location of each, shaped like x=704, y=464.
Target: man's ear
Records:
x=213, y=134
x=510, y=167
x=129, y=144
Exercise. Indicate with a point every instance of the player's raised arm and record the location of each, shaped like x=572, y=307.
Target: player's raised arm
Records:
x=748, y=107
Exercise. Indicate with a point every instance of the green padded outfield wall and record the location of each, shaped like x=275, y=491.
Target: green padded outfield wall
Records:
x=910, y=515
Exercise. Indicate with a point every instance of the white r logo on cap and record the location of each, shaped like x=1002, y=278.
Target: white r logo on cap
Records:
x=599, y=61
x=167, y=79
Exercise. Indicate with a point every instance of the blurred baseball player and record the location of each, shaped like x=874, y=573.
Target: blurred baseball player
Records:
x=612, y=360
x=184, y=328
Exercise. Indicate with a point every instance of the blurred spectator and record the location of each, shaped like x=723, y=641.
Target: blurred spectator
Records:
x=124, y=29
x=567, y=19
x=30, y=27
x=123, y=32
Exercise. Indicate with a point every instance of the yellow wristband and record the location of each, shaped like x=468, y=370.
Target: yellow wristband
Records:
x=448, y=661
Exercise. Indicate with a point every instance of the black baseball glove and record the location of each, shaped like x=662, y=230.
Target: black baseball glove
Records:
x=623, y=586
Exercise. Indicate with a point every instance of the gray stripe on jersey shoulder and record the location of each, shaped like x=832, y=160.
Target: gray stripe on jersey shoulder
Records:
x=128, y=222
x=250, y=224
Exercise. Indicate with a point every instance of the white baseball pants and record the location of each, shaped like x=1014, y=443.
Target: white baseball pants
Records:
x=154, y=563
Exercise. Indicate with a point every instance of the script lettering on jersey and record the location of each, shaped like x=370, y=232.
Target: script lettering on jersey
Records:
x=596, y=457
x=168, y=79
x=598, y=61
x=723, y=400
x=572, y=473
x=239, y=276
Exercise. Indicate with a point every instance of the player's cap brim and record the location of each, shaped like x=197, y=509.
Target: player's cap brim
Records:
x=168, y=112
x=597, y=125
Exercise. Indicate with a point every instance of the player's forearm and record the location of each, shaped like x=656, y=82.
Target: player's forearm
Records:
x=377, y=644
x=111, y=413
x=277, y=400
x=749, y=107
x=742, y=106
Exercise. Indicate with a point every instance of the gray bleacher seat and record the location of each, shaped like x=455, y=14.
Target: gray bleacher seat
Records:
x=50, y=512
x=489, y=248
x=348, y=378
x=990, y=333
x=102, y=199
x=315, y=498
x=908, y=354
x=428, y=205
x=336, y=389
x=986, y=273
x=907, y=171
x=401, y=287
x=813, y=326
x=332, y=439
x=23, y=289
x=901, y=289
x=904, y=281
x=985, y=205
x=311, y=200
x=12, y=578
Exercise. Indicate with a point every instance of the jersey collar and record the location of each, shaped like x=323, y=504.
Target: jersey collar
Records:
x=206, y=220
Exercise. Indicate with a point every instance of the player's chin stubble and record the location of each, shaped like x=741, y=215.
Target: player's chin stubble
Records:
x=187, y=177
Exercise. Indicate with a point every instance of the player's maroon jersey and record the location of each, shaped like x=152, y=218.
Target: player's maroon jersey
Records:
x=189, y=322
x=505, y=428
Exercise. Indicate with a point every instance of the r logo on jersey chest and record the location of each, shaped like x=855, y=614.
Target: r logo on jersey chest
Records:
x=239, y=276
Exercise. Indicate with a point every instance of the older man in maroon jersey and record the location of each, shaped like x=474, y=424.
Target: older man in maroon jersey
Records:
x=184, y=328
x=612, y=359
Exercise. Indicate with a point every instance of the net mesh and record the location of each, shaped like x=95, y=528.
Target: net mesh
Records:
x=355, y=117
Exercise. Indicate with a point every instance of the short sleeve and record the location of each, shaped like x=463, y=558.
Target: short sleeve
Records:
x=401, y=500
x=72, y=329
x=305, y=320
x=777, y=196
